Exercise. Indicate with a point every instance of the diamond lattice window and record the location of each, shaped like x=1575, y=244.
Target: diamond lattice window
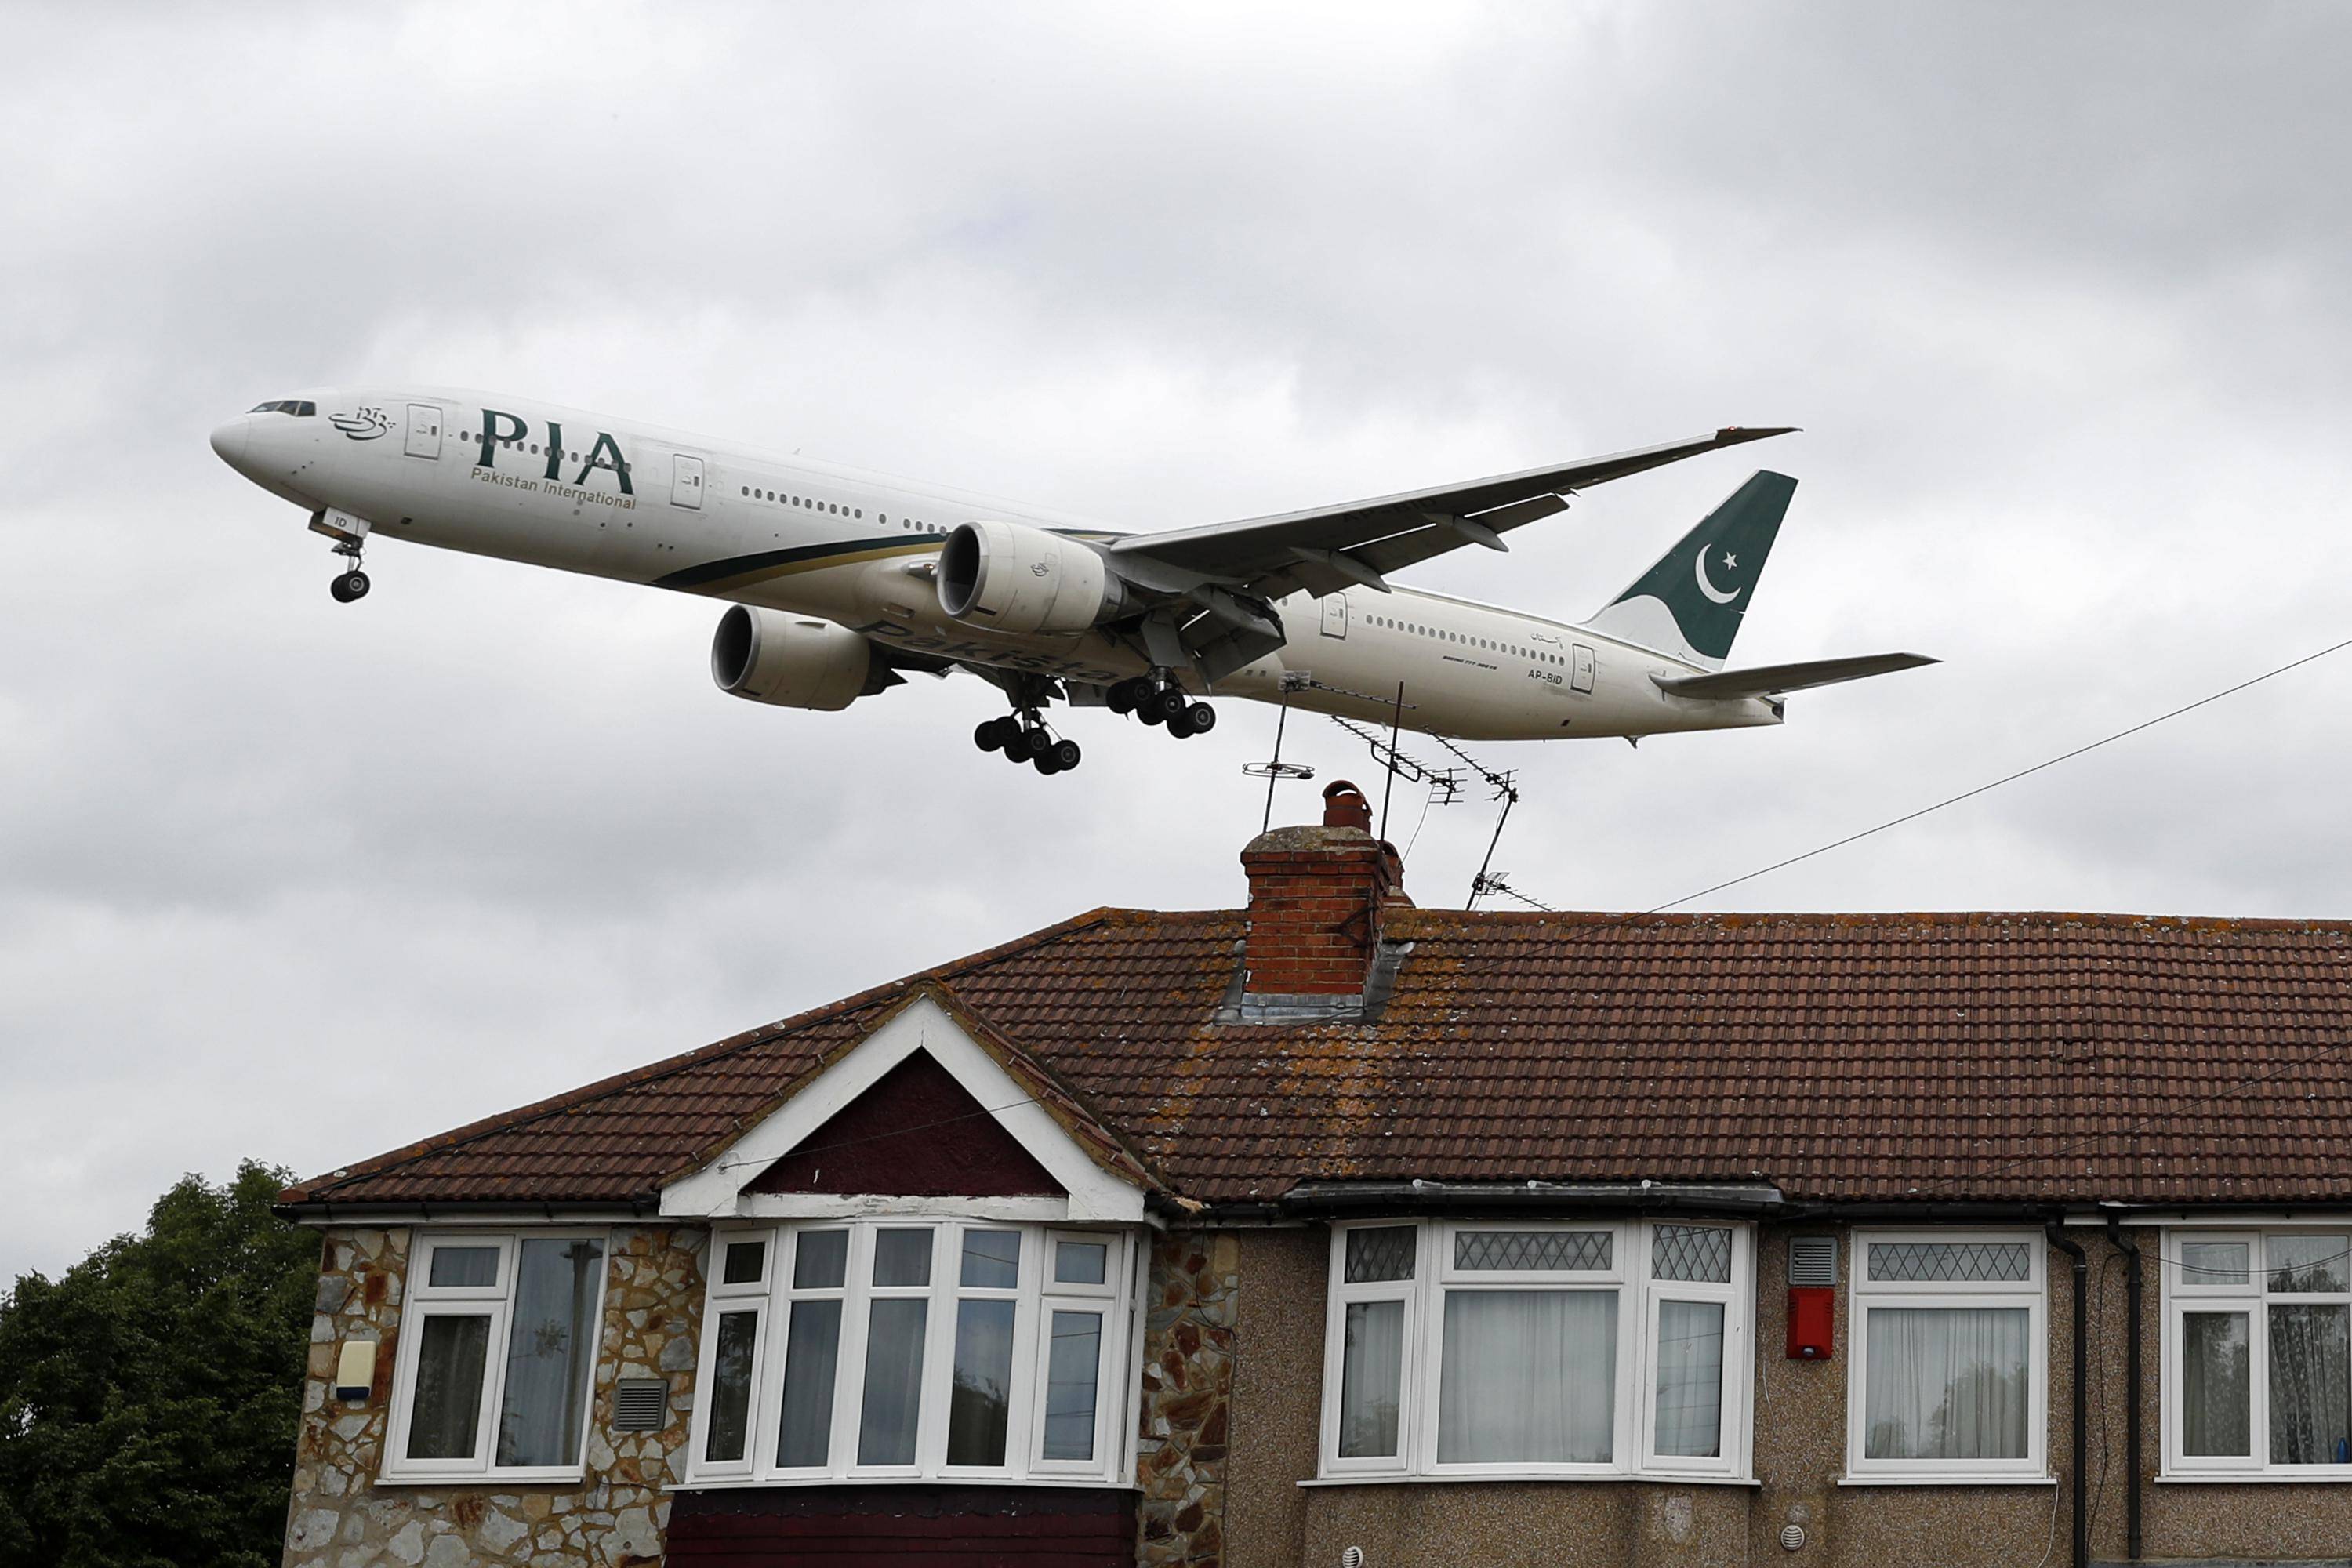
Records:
x=1532, y=1251
x=1384, y=1252
x=1700, y=1254
x=1966, y=1261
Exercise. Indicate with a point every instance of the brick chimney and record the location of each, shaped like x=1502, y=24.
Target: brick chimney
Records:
x=1317, y=897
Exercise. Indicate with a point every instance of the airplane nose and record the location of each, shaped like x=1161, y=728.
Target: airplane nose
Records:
x=230, y=441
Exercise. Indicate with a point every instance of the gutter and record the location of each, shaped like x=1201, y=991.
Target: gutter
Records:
x=2056, y=1231
x=321, y=1212
x=1319, y=1199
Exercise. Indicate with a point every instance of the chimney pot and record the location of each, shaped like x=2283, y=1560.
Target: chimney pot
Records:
x=1344, y=806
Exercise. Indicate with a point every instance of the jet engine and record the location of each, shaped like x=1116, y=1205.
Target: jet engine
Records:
x=792, y=662
x=1010, y=577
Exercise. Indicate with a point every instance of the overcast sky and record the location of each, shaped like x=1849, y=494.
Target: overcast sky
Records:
x=2057, y=293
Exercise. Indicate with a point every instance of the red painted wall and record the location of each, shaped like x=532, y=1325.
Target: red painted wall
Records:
x=916, y=1133
x=876, y=1527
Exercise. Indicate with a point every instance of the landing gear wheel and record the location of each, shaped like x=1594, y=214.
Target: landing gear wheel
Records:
x=1065, y=755
x=1181, y=726
x=1120, y=697
x=989, y=737
x=1170, y=702
x=1044, y=762
x=1148, y=711
x=1037, y=741
x=1201, y=717
x=351, y=586
x=1016, y=747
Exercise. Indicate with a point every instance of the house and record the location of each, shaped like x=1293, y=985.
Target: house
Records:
x=1334, y=1230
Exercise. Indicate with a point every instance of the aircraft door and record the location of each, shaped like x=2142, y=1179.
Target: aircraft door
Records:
x=1580, y=671
x=1335, y=614
x=424, y=430
x=685, y=482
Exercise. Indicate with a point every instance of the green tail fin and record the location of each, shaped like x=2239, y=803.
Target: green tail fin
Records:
x=1690, y=604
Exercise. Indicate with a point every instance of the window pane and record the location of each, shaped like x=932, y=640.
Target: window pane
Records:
x=1690, y=1378
x=1946, y=1382
x=1581, y=1250
x=902, y=1256
x=1528, y=1376
x=812, y=1348
x=2216, y=1384
x=894, y=1377
x=730, y=1392
x=745, y=1260
x=465, y=1266
x=2307, y=1263
x=1072, y=1362
x=550, y=1351
x=1079, y=1262
x=978, y=1400
x=1699, y=1253
x=1971, y=1261
x=821, y=1260
x=2310, y=1421
x=1371, y=1375
x=1380, y=1252
x=447, y=1410
x=992, y=1259
x=2214, y=1262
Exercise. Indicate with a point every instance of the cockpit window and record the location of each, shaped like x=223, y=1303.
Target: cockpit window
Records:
x=301, y=408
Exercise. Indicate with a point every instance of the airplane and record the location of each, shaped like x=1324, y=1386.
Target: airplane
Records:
x=840, y=582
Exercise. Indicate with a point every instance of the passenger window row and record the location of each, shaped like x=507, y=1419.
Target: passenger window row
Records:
x=834, y=507
x=1537, y=655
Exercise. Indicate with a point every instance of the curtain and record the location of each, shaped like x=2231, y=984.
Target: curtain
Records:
x=2310, y=1421
x=2216, y=1384
x=1690, y=1378
x=1527, y=1377
x=1372, y=1374
x=731, y=1378
x=811, y=1347
x=550, y=1352
x=894, y=1380
x=448, y=1400
x=980, y=1397
x=1946, y=1383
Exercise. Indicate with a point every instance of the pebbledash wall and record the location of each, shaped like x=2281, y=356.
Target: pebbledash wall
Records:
x=342, y=1516
x=1228, y=1415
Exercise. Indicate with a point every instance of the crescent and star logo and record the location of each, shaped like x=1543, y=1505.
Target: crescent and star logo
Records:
x=366, y=425
x=1709, y=589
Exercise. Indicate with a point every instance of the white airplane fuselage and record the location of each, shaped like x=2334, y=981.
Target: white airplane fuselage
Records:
x=585, y=492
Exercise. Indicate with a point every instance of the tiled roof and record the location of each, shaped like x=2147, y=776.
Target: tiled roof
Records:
x=1841, y=1058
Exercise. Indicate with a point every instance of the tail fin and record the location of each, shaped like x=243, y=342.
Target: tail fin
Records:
x=1690, y=604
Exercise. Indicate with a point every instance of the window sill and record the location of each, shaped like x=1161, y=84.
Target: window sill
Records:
x=1534, y=1477
x=486, y=1479
x=2332, y=1475
x=755, y=1483
x=2008, y=1480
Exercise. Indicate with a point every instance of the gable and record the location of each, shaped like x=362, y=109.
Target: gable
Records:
x=917, y=1132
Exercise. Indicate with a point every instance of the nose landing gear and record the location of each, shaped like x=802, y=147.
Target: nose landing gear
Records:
x=1156, y=699
x=349, y=534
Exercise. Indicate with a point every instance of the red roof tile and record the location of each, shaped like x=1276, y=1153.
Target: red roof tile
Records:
x=1841, y=1057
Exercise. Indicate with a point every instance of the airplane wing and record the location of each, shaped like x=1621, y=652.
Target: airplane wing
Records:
x=1357, y=543
x=1774, y=679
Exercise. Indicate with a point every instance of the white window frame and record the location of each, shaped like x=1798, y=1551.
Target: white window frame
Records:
x=1865, y=1294
x=1117, y=1299
x=1630, y=1276
x=421, y=1301
x=2183, y=1295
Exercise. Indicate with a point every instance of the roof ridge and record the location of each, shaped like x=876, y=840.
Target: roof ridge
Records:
x=2114, y=919
x=665, y=1067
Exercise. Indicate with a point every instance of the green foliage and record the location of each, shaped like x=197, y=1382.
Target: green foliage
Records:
x=149, y=1397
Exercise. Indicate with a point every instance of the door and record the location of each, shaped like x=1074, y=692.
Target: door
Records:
x=1335, y=614
x=685, y=482
x=1579, y=670
x=424, y=430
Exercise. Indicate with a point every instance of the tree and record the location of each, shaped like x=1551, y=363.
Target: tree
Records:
x=149, y=1397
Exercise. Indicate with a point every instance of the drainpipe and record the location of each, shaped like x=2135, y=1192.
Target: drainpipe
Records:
x=2056, y=1231
x=2132, y=1282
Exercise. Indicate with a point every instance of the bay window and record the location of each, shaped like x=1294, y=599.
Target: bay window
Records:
x=1949, y=1363
x=2258, y=1354
x=914, y=1348
x=1510, y=1348
x=496, y=1356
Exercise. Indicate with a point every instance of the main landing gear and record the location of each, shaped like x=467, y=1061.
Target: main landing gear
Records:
x=1023, y=738
x=1158, y=701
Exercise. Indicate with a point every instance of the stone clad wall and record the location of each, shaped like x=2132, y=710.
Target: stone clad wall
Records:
x=1184, y=1412
x=341, y=1519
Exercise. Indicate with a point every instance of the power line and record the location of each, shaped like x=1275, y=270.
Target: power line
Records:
x=2005, y=779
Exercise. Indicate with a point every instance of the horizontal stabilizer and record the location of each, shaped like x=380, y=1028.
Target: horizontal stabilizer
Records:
x=1773, y=679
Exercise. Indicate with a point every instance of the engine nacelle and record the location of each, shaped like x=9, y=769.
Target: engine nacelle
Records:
x=792, y=662
x=1010, y=577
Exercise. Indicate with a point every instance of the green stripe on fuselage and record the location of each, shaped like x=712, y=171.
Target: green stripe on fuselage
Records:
x=735, y=571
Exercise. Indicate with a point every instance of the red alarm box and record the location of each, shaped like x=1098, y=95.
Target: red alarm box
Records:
x=1812, y=1322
